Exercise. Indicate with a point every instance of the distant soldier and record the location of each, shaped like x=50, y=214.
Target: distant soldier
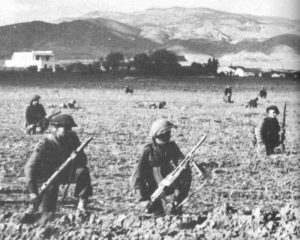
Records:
x=263, y=93
x=70, y=104
x=128, y=90
x=268, y=133
x=158, y=159
x=35, y=116
x=227, y=94
x=252, y=103
x=48, y=156
x=159, y=105
x=162, y=104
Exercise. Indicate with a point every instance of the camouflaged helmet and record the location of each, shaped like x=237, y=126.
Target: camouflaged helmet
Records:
x=273, y=107
x=63, y=120
x=161, y=126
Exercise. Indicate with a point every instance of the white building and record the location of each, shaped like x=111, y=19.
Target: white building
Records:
x=40, y=59
x=226, y=71
x=240, y=71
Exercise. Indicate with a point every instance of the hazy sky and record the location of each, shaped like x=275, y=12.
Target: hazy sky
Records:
x=12, y=11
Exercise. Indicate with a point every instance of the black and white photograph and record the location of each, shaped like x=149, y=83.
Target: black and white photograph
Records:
x=149, y=120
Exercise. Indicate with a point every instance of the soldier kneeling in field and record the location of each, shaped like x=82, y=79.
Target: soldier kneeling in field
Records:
x=158, y=159
x=268, y=133
x=70, y=104
x=35, y=117
x=47, y=157
x=128, y=90
x=252, y=103
x=159, y=105
x=227, y=94
x=263, y=93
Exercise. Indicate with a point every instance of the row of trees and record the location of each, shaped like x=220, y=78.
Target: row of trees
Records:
x=158, y=62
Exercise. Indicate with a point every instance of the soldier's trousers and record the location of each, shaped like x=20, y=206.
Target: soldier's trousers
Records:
x=83, y=189
x=271, y=145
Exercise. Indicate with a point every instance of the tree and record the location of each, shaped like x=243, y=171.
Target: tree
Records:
x=141, y=61
x=197, y=68
x=164, y=61
x=212, y=66
x=113, y=60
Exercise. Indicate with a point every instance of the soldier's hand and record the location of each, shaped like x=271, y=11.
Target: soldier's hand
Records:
x=143, y=204
x=261, y=149
x=34, y=197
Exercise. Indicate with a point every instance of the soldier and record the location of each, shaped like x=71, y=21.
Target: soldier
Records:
x=70, y=104
x=252, y=103
x=162, y=104
x=227, y=94
x=35, y=113
x=158, y=159
x=128, y=90
x=263, y=93
x=268, y=132
x=48, y=155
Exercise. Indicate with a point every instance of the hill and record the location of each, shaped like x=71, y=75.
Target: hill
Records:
x=76, y=39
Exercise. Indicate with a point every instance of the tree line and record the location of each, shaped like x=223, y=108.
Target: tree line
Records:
x=158, y=62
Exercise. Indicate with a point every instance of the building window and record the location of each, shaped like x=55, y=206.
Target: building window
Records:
x=47, y=58
x=37, y=57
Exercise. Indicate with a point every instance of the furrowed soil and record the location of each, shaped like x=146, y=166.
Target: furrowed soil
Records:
x=248, y=196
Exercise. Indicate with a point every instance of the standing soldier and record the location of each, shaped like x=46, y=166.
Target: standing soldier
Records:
x=158, y=159
x=48, y=156
x=227, y=94
x=268, y=132
x=35, y=113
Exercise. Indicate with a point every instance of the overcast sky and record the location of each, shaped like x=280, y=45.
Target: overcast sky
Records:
x=12, y=11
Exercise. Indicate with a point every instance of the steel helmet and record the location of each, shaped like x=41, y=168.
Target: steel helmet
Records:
x=63, y=120
x=161, y=126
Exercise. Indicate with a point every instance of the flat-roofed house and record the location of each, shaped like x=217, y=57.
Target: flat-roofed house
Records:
x=40, y=59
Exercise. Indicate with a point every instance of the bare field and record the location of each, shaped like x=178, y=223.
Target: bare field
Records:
x=248, y=196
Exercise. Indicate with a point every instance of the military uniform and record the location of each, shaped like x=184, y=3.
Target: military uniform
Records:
x=227, y=94
x=263, y=93
x=155, y=163
x=34, y=114
x=268, y=133
x=47, y=157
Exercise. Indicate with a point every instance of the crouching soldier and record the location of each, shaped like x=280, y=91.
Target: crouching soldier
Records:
x=268, y=133
x=158, y=159
x=35, y=117
x=48, y=156
x=263, y=93
x=252, y=103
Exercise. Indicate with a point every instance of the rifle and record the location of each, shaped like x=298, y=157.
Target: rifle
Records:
x=34, y=125
x=55, y=175
x=283, y=129
x=171, y=177
x=34, y=215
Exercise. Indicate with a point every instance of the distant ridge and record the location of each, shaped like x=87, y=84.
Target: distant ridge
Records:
x=199, y=32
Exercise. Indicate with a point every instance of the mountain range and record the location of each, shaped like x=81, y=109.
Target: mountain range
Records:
x=197, y=33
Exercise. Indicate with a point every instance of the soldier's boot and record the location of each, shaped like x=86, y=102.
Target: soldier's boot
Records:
x=82, y=208
x=156, y=209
